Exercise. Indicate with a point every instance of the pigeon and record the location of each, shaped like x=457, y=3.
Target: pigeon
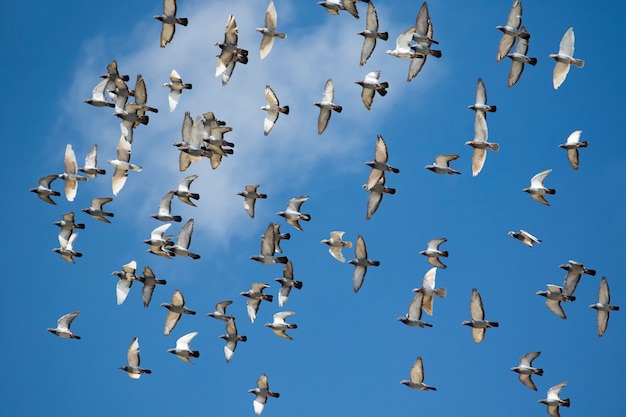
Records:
x=267, y=249
x=70, y=174
x=379, y=165
x=554, y=295
x=141, y=98
x=376, y=196
x=413, y=317
x=403, y=48
x=176, y=87
x=417, y=377
x=442, y=164
x=360, y=262
x=574, y=272
x=429, y=291
x=524, y=237
x=571, y=145
x=564, y=59
x=336, y=244
x=149, y=281
x=278, y=237
x=603, y=306
x=132, y=116
x=250, y=195
x=192, y=146
x=292, y=213
x=43, y=189
x=67, y=226
x=286, y=282
x=182, y=349
x=526, y=370
x=480, y=144
x=176, y=310
x=279, y=325
x=96, y=211
x=511, y=30
x=370, y=34
x=183, y=193
x=119, y=89
x=269, y=30
x=122, y=165
x=326, y=105
x=333, y=6
x=181, y=248
x=231, y=53
x=126, y=278
x=478, y=323
x=554, y=400
x=422, y=35
x=231, y=338
x=273, y=109
x=169, y=20
x=370, y=86
x=66, y=249
x=113, y=73
x=262, y=391
x=481, y=99
x=91, y=160
x=537, y=190
x=132, y=369
x=519, y=58
x=63, y=326
x=220, y=311
x=165, y=207
x=255, y=296
x=433, y=253
x=158, y=241
x=98, y=98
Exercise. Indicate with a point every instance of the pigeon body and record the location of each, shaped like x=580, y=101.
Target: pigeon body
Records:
x=554, y=401
x=433, y=253
x=169, y=22
x=478, y=323
x=370, y=34
x=537, y=189
x=360, y=262
x=96, y=209
x=250, y=195
x=413, y=317
x=292, y=213
x=336, y=244
x=279, y=326
x=181, y=248
x=287, y=282
x=182, y=349
x=255, y=296
x=132, y=368
x=370, y=86
x=269, y=30
x=63, y=326
x=43, y=190
x=564, y=59
x=480, y=143
x=442, y=164
x=176, y=87
x=176, y=310
x=554, y=295
x=416, y=380
x=261, y=392
x=272, y=109
x=603, y=306
x=526, y=371
x=232, y=338
x=525, y=237
x=429, y=291
x=571, y=145
x=326, y=106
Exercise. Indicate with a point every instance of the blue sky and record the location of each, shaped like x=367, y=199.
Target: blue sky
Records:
x=349, y=353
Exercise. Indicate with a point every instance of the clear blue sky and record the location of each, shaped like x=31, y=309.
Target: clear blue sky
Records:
x=349, y=353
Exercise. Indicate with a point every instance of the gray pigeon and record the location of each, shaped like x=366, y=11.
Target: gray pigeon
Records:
x=370, y=34
x=413, y=317
x=433, y=253
x=481, y=99
x=360, y=262
x=554, y=295
x=91, y=160
x=66, y=249
x=169, y=22
x=70, y=173
x=292, y=213
x=96, y=211
x=416, y=380
x=126, y=278
x=279, y=325
x=149, y=281
x=376, y=196
x=165, y=207
x=63, y=326
x=43, y=190
x=262, y=391
x=370, y=85
x=176, y=87
x=478, y=323
x=268, y=249
x=554, y=400
x=511, y=30
x=183, y=193
x=379, y=165
x=181, y=248
x=442, y=164
x=132, y=368
x=326, y=105
x=176, y=310
x=220, y=311
x=250, y=195
x=272, y=109
x=231, y=337
x=525, y=237
x=286, y=283
x=603, y=306
x=575, y=270
x=519, y=58
x=255, y=296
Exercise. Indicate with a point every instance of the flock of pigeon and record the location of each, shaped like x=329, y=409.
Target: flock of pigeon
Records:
x=204, y=137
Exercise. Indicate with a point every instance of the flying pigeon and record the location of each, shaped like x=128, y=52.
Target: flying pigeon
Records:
x=537, y=190
x=403, y=50
x=554, y=400
x=360, y=262
x=262, y=391
x=564, y=59
x=176, y=87
x=158, y=241
x=119, y=89
x=519, y=58
x=169, y=20
x=149, y=281
x=286, y=282
x=67, y=226
x=413, y=317
x=417, y=377
x=267, y=249
x=370, y=86
x=603, y=306
x=478, y=323
x=433, y=253
x=376, y=196
x=255, y=296
x=429, y=291
x=279, y=325
x=525, y=369
x=481, y=99
x=183, y=193
x=511, y=30
x=554, y=295
x=269, y=30
x=132, y=369
x=379, y=165
x=524, y=237
x=122, y=165
x=126, y=278
x=141, y=97
x=273, y=109
x=66, y=249
x=70, y=173
x=480, y=144
x=574, y=272
x=278, y=237
x=98, y=98
x=250, y=195
x=292, y=213
x=231, y=337
x=571, y=145
x=91, y=159
x=96, y=211
x=63, y=326
x=181, y=248
x=192, y=146
x=442, y=164
x=333, y=6
x=182, y=349
x=230, y=51
x=220, y=311
x=165, y=209
x=326, y=105
x=43, y=189
x=336, y=244
x=422, y=35
x=176, y=310
x=370, y=34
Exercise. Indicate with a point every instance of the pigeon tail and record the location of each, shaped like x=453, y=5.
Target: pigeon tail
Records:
x=195, y=196
x=194, y=256
x=284, y=109
x=394, y=170
x=305, y=217
x=494, y=147
x=435, y=53
x=298, y=285
x=285, y=236
x=492, y=108
x=338, y=109
x=532, y=61
x=616, y=308
x=565, y=402
x=177, y=218
x=591, y=272
x=243, y=338
x=268, y=297
x=538, y=371
x=182, y=21
x=280, y=35
x=383, y=35
x=390, y=190
x=583, y=144
x=441, y=293
x=493, y=324
x=552, y=191
x=276, y=395
x=373, y=263
x=282, y=259
x=194, y=353
x=444, y=254
x=579, y=63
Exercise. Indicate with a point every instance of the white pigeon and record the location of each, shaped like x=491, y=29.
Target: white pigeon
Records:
x=269, y=30
x=429, y=291
x=370, y=85
x=326, y=105
x=158, y=241
x=66, y=249
x=335, y=244
x=91, y=160
x=571, y=145
x=126, y=278
x=262, y=391
x=537, y=189
x=416, y=380
x=176, y=87
x=603, y=306
x=279, y=325
x=133, y=360
x=480, y=143
x=273, y=109
x=122, y=165
x=182, y=349
x=70, y=173
x=564, y=59
x=63, y=326
x=525, y=369
x=554, y=401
